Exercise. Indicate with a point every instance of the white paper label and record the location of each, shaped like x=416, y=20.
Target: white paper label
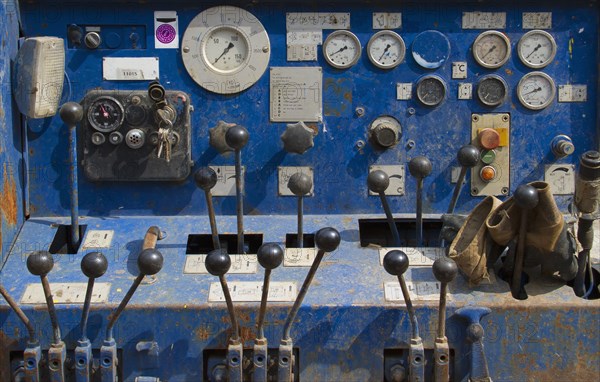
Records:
x=251, y=291
x=561, y=178
x=316, y=20
x=95, y=239
x=459, y=70
x=130, y=68
x=386, y=20
x=240, y=264
x=66, y=293
x=302, y=53
x=304, y=38
x=299, y=257
x=484, y=20
x=226, y=180
x=284, y=173
x=296, y=94
x=572, y=93
x=465, y=91
x=418, y=291
x=537, y=20
x=166, y=30
x=396, y=176
x=404, y=91
x=420, y=256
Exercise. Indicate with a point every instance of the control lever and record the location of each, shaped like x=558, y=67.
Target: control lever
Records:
x=300, y=184
x=444, y=269
x=270, y=256
x=396, y=263
x=468, y=157
x=150, y=262
x=71, y=113
x=33, y=353
x=93, y=265
x=378, y=181
x=217, y=263
x=327, y=240
x=236, y=137
x=526, y=197
x=40, y=263
x=206, y=179
x=419, y=167
x=479, y=367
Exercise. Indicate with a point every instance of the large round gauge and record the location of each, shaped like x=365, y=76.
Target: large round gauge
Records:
x=386, y=49
x=492, y=90
x=105, y=114
x=431, y=90
x=430, y=49
x=341, y=49
x=491, y=49
x=536, y=49
x=536, y=90
x=225, y=49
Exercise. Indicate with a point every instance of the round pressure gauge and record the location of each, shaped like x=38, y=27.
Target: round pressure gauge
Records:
x=536, y=49
x=341, y=49
x=430, y=49
x=386, y=49
x=431, y=90
x=492, y=90
x=225, y=49
x=536, y=90
x=491, y=49
x=105, y=114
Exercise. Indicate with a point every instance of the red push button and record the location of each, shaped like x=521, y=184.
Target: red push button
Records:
x=489, y=138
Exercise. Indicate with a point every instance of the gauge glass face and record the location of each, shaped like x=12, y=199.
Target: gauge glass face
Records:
x=386, y=49
x=105, y=114
x=431, y=90
x=341, y=49
x=491, y=49
x=537, y=49
x=225, y=49
x=536, y=90
x=491, y=90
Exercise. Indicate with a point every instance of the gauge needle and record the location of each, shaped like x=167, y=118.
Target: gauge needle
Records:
x=224, y=52
x=104, y=112
x=493, y=48
x=388, y=46
x=341, y=50
x=534, y=91
x=535, y=50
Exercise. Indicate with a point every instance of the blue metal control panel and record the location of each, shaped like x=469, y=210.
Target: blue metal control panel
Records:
x=183, y=137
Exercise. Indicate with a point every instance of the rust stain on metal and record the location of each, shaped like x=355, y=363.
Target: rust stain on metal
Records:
x=202, y=334
x=247, y=333
x=8, y=198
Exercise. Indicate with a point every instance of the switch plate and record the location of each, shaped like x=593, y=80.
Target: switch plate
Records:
x=501, y=184
x=240, y=264
x=396, y=175
x=96, y=239
x=66, y=293
x=418, y=291
x=299, y=257
x=465, y=91
x=251, y=291
x=561, y=178
x=226, y=180
x=284, y=173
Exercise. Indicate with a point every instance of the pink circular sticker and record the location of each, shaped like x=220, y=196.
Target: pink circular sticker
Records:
x=165, y=33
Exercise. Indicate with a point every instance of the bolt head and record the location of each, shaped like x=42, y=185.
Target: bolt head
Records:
x=419, y=167
x=468, y=156
x=94, y=265
x=378, y=181
x=444, y=269
x=526, y=196
x=300, y=184
x=150, y=261
x=217, y=262
x=270, y=255
x=327, y=239
x=236, y=137
x=395, y=262
x=205, y=178
x=71, y=113
x=40, y=263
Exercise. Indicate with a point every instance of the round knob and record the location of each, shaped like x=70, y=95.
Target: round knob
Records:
x=526, y=196
x=217, y=262
x=300, y=184
x=378, y=181
x=236, y=137
x=92, y=40
x=205, y=178
x=385, y=135
x=71, y=113
x=395, y=262
x=150, y=261
x=468, y=156
x=94, y=265
x=327, y=239
x=40, y=263
x=589, y=165
x=419, y=167
x=298, y=138
x=270, y=255
x=489, y=138
x=444, y=269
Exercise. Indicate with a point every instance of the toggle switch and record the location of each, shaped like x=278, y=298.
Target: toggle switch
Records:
x=445, y=270
x=378, y=181
x=236, y=137
x=419, y=167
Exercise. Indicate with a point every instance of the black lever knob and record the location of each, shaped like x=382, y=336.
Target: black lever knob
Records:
x=270, y=256
x=468, y=157
x=218, y=262
x=419, y=167
x=527, y=198
x=206, y=179
x=71, y=113
x=94, y=265
x=236, y=137
x=444, y=269
x=395, y=262
x=327, y=239
x=300, y=184
x=40, y=263
x=378, y=181
x=150, y=261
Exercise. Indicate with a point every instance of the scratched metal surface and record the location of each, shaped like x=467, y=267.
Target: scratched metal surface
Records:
x=342, y=328
x=340, y=169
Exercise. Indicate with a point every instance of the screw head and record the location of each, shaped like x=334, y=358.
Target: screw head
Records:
x=419, y=167
x=94, y=265
x=205, y=178
x=300, y=184
x=468, y=156
x=236, y=137
x=71, y=113
x=395, y=262
x=270, y=255
x=526, y=196
x=217, y=262
x=150, y=261
x=378, y=181
x=444, y=269
x=40, y=263
x=327, y=239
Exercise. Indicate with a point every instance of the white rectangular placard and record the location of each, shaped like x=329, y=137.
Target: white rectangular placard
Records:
x=484, y=20
x=421, y=256
x=418, y=291
x=66, y=293
x=251, y=291
x=295, y=21
x=130, y=68
x=296, y=94
x=240, y=264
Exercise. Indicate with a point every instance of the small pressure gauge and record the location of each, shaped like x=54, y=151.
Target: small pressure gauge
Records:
x=431, y=90
x=491, y=49
x=492, y=90
x=105, y=114
x=536, y=49
x=536, y=90
x=341, y=49
x=386, y=49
